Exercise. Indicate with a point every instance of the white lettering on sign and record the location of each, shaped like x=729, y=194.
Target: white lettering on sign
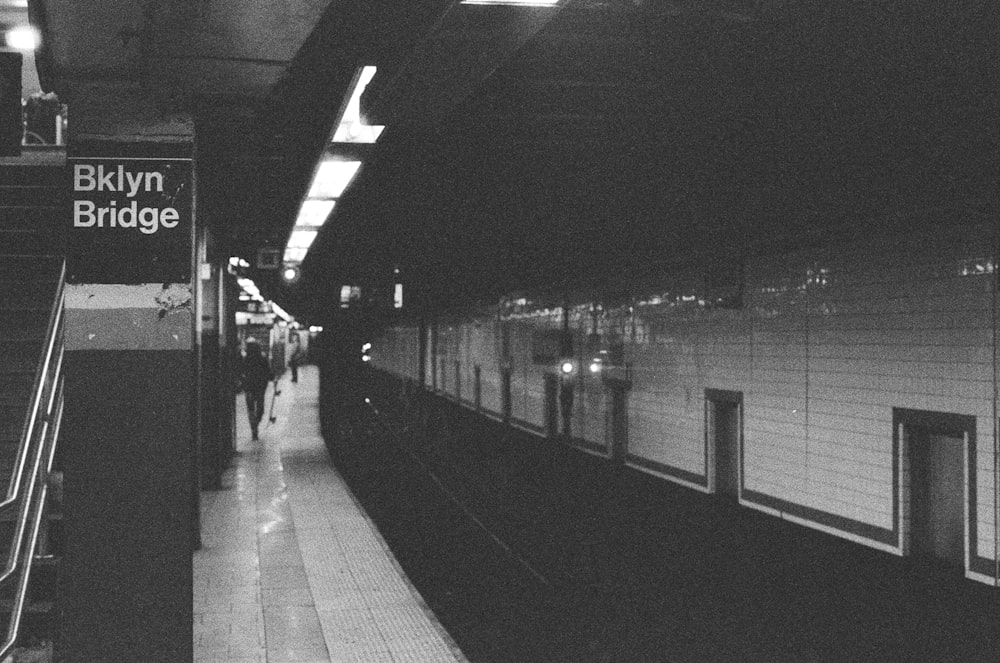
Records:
x=86, y=213
x=87, y=178
x=148, y=219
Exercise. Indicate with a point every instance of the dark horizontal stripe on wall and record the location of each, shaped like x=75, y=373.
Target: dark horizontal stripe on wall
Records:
x=586, y=444
x=491, y=414
x=698, y=479
x=825, y=518
x=525, y=425
x=986, y=567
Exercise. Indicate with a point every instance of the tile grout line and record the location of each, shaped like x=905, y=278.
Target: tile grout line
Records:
x=287, y=481
x=429, y=615
x=258, y=471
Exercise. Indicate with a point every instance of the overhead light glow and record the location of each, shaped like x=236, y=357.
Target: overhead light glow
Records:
x=23, y=38
x=332, y=178
x=567, y=367
x=314, y=212
x=351, y=128
x=280, y=312
x=295, y=255
x=290, y=274
x=301, y=239
x=250, y=288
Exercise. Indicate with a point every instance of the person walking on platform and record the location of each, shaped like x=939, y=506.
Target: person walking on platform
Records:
x=256, y=374
x=297, y=357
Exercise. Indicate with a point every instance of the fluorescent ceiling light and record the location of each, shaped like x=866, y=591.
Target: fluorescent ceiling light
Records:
x=351, y=128
x=23, y=38
x=332, y=178
x=280, y=312
x=314, y=213
x=250, y=288
x=301, y=239
x=295, y=255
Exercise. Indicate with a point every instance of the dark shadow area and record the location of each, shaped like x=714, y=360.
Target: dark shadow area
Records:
x=589, y=561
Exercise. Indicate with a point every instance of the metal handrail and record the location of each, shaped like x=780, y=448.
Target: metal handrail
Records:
x=28, y=488
x=27, y=552
x=22, y=521
x=51, y=337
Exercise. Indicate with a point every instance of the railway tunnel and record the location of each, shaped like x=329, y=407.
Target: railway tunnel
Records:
x=675, y=322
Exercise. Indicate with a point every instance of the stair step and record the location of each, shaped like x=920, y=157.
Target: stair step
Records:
x=21, y=355
x=27, y=175
x=42, y=196
x=48, y=219
x=32, y=652
x=25, y=325
x=29, y=242
x=15, y=267
x=54, y=514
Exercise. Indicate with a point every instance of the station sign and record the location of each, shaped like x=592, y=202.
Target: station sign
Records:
x=130, y=220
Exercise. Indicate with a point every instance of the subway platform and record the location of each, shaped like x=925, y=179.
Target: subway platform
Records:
x=291, y=569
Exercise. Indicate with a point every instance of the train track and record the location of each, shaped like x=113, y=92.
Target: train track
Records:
x=539, y=592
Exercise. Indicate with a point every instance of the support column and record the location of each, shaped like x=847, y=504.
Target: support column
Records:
x=128, y=449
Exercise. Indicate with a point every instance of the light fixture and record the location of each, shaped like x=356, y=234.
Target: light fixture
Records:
x=280, y=312
x=290, y=274
x=314, y=212
x=301, y=239
x=567, y=367
x=332, y=178
x=351, y=128
x=295, y=255
x=23, y=38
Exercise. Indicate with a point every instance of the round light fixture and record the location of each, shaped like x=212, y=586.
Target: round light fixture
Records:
x=23, y=38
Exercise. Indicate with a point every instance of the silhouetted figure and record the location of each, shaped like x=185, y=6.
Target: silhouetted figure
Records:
x=298, y=356
x=256, y=374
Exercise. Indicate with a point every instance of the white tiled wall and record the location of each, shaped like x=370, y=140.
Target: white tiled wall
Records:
x=398, y=352
x=841, y=337
x=527, y=383
x=826, y=344
x=676, y=353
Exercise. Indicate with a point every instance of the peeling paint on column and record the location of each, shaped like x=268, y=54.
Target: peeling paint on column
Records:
x=148, y=316
x=174, y=298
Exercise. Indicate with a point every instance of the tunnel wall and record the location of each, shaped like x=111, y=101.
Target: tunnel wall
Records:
x=831, y=346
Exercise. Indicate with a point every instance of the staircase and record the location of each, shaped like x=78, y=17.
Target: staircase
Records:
x=31, y=273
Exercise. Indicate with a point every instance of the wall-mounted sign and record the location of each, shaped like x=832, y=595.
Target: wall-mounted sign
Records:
x=268, y=258
x=130, y=220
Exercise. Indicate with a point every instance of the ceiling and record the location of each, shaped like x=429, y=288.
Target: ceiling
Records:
x=594, y=141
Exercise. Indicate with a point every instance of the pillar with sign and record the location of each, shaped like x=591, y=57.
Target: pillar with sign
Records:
x=128, y=449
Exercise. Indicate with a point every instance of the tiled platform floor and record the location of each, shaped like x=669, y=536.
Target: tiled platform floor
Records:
x=291, y=569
